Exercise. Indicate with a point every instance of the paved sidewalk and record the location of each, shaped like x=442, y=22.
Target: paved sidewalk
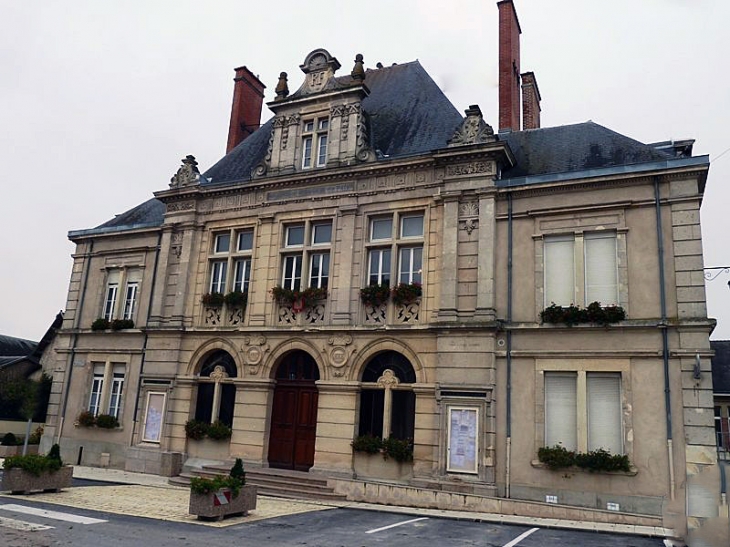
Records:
x=151, y=496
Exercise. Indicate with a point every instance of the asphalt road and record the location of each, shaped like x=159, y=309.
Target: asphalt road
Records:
x=330, y=528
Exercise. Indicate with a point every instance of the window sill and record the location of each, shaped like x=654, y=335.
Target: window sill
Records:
x=537, y=464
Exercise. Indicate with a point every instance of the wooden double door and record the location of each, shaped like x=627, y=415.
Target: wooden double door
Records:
x=293, y=430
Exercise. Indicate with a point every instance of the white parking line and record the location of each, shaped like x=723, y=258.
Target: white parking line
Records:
x=22, y=525
x=521, y=537
x=55, y=515
x=394, y=525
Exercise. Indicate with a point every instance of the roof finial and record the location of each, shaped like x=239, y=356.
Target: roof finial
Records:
x=358, y=71
x=282, y=88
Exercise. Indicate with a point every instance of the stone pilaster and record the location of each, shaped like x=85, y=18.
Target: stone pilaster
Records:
x=485, y=264
x=335, y=427
x=449, y=259
x=342, y=294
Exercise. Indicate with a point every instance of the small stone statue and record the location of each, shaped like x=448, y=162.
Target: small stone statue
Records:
x=188, y=173
x=358, y=71
x=282, y=88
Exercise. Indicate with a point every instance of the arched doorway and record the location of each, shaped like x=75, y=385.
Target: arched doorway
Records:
x=294, y=414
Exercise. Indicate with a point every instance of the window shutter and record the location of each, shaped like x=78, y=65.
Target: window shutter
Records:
x=560, y=409
x=559, y=271
x=604, y=412
x=601, y=271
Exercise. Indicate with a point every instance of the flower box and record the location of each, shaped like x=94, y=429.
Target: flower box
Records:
x=20, y=481
x=7, y=451
x=374, y=466
x=221, y=504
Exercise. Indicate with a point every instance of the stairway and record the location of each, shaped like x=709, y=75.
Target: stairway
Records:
x=280, y=483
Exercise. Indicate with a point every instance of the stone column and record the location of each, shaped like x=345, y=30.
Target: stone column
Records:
x=335, y=427
x=345, y=239
x=485, y=265
x=449, y=258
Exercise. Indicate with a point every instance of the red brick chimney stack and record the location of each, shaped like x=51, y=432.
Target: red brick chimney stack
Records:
x=509, y=67
x=530, y=102
x=248, y=96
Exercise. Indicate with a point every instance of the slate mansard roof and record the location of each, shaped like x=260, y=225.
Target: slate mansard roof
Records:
x=410, y=115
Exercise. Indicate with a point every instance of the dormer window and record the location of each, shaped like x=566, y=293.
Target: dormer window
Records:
x=314, y=142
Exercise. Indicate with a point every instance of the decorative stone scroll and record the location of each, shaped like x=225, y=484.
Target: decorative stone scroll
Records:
x=180, y=206
x=469, y=215
x=340, y=353
x=408, y=314
x=254, y=348
x=473, y=130
x=375, y=315
x=472, y=168
x=188, y=173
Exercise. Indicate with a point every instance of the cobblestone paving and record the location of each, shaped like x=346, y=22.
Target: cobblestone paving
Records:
x=162, y=503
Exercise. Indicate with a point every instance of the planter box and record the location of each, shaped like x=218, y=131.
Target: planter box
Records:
x=209, y=506
x=373, y=466
x=208, y=449
x=19, y=481
x=7, y=451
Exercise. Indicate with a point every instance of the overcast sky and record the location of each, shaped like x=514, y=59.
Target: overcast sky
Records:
x=99, y=101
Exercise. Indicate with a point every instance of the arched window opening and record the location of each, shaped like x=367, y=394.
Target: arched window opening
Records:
x=216, y=395
x=387, y=400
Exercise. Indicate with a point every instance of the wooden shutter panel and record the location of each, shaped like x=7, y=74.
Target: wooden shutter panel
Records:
x=601, y=270
x=560, y=409
x=559, y=270
x=604, y=412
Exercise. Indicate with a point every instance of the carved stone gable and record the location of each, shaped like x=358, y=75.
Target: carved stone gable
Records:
x=187, y=175
x=319, y=67
x=473, y=130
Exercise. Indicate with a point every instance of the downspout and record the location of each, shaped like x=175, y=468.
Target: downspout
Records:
x=509, y=345
x=72, y=356
x=146, y=335
x=665, y=336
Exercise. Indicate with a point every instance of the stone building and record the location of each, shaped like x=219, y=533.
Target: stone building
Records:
x=251, y=295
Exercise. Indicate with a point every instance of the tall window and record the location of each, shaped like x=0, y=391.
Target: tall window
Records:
x=581, y=270
x=306, y=244
x=594, y=395
x=107, y=387
x=121, y=304
x=216, y=394
x=387, y=400
x=314, y=142
x=407, y=242
x=231, y=251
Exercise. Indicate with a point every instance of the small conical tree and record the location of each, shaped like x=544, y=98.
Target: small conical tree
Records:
x=237, y=471
x=55, y=454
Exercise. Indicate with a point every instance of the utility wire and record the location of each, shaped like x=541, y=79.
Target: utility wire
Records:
x=721, y=155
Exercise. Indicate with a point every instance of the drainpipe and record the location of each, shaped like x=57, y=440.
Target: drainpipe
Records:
x=72, y=357
x=509, y=345
x=665, y=336
x=146, y=335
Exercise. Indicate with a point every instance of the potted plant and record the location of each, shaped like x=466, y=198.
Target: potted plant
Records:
x=107, y=421
x=236, y=299
x=573, y=315
x=100, y=324
x=23, y=474
x=121, y=324
x=375, y=295
x=298, y=300
x=213, y=299
x=86, y=419
x=388, y=459
x=599, y=460
x=222, y=496
x=406, y=293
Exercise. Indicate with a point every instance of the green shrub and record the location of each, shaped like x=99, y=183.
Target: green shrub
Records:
x=236, y=299
x=557, y=457
x=35, y=437
x=55, y=454
x=237, y=471
x=34, y=464
x=100, y=324
x=196, y=429
x=573, y=315
x=219, y=431
x=9, y=439
x=367, y=443
x=106, y=421
x=86, y=419
x=401, y=450
x=201, y=485
x=121, y=324
x=213, y=299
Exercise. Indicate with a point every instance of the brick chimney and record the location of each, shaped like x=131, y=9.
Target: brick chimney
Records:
x=530, y=102
x=509, y=67
x=248, y=96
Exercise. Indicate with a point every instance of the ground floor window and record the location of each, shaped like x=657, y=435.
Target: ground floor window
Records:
x=107, y=385
x=387, y=400
x=216, y=397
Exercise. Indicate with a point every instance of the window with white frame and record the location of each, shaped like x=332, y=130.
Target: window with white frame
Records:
x=230, y=251
x=583, y=411
x=314, y=142
x=107, y=388
x=406, y=243
x=121, y=304
x=581, y=269
x=306, y=246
